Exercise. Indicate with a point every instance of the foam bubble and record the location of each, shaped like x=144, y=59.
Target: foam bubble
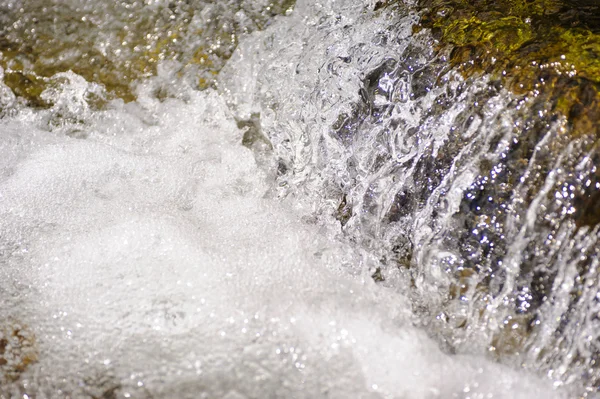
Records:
x=147, y=260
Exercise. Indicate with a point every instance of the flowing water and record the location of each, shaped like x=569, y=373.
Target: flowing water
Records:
x=329, y=210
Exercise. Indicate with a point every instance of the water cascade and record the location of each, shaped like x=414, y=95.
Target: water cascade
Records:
x=346, y=199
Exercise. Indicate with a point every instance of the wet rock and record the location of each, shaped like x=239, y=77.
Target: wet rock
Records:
x=116, y=44
x=18, y=351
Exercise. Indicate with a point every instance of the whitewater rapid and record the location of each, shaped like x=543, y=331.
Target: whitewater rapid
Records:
x=147, y=253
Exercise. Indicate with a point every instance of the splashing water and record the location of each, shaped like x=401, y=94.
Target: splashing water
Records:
x=316, y=226
x=475, y=199
x=145, y=260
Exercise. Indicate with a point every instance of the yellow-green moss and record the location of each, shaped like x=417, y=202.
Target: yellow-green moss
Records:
x=505, y=34
x=119, y=44
x=550, y=48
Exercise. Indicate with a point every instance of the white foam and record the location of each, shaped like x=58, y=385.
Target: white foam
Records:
x=146, y=260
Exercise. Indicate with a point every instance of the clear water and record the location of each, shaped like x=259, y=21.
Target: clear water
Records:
x=471, y=197
x=296, y=231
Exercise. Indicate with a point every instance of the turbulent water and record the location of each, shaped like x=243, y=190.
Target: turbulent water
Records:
x=328, y=219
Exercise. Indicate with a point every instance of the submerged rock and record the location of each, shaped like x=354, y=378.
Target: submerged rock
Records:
x=116, y=44
x=17, y=350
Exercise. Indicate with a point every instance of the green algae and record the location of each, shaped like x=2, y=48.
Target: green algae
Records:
x=503, y=35
x=117, y=44
x=548, y=46
x=545, y=50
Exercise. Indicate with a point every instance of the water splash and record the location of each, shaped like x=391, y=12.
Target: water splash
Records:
x=475, y=199
x=119, y=43
x=151, y=252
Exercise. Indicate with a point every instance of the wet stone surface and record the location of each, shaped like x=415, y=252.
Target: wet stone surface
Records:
x=17, y=351
x=116, y=44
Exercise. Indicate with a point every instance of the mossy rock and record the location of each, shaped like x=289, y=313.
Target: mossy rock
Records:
x=546, y=48
x=117, y=44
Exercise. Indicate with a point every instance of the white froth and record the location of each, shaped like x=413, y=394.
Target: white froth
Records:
x=149, y=262
x=145, y=258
